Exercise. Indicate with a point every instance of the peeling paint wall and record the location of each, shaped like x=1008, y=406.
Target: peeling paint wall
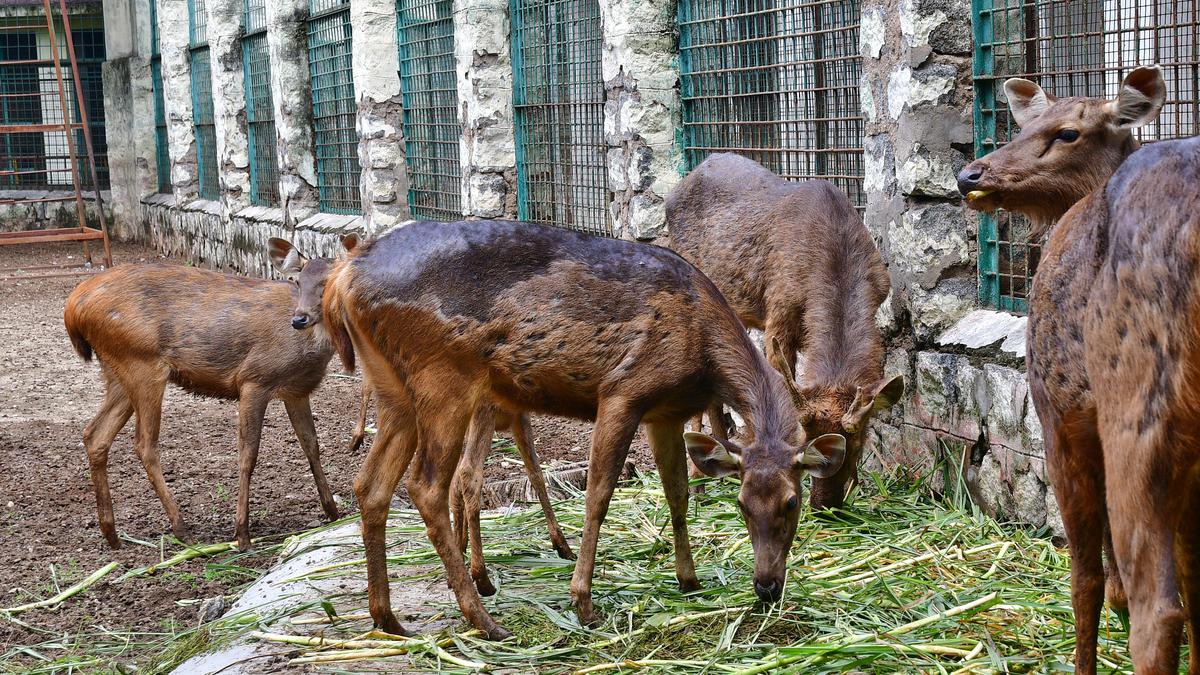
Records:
x=229, y=103
x=177, y=97
x=291, y=94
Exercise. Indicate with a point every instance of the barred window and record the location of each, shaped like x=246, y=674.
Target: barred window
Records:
x=334, y=109
x=162, y=155
x=202, y=102
x=260, y=110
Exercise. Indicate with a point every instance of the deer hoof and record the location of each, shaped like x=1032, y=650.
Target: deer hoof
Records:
x=497, y=633
x=243, y=541
x=588, y=616
x=331, y=511
x=114, y=542
x=563, y=548
x=689, y=585
x=484, y=585
x=389, y=624
x=356, y=442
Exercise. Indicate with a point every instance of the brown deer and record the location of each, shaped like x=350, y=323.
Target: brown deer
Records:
x=541, y=319
x=211, y=334
x=794, y=260
x=310, y=277
x=1105, y=360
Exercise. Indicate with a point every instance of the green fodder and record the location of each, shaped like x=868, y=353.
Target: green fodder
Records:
x=897, y=582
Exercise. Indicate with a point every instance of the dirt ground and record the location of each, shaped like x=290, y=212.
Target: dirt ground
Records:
x=48, y=530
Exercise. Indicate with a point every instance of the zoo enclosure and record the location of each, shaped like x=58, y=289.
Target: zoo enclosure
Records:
x=1070, y=48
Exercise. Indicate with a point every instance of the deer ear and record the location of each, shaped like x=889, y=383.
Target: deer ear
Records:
x=1026, y=100
x=824, y=456
x=711, y=457
x=880, y=396
x=284, y=256
x=1142, y=95
x=350, y=241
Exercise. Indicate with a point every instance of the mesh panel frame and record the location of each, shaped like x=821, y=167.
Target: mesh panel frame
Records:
x=334, y=109
x=260, y=119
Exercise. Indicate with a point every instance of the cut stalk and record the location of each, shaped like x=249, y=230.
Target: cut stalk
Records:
x=66, y=593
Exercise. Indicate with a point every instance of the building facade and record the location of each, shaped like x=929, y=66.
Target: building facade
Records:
x=230, y=121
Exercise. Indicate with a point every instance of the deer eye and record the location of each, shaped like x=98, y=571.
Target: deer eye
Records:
x=1067, y=135
x=793, y=503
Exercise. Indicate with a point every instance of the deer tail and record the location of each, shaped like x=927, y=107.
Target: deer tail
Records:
x=333, y=311
x=74, y=320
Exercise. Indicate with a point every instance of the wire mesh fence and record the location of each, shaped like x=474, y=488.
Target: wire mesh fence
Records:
x=162, y=156
x=29, y=95
x=558, y=97
x=1071, y=48
x=425, y=35
x=777, y=81
x=203, y=117
x=260, y=108
x=334, y=108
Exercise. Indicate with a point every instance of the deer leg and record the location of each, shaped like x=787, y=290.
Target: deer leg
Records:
x=666, y=442
x=1187, y=562
x=300, y=413
x=523, y=435
x=434, y=465
x=385, y=463
x=469, y=483
x=146, y=398
x=360, y=429
x=1077, y=476
x=1114, y=590
x=616, y=424
x=252, y=406
x=97, y=439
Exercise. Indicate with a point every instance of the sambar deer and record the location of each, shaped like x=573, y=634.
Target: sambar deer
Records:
x=212, y=334
x=794, y=260
x=1108, y=358
x=310, y=277
x=540, y=319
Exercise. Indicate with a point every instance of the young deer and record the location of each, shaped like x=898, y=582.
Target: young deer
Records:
x=212, y=335
x=310, y=277
x=1057, y=168
x=794, y=259
x=534, y=318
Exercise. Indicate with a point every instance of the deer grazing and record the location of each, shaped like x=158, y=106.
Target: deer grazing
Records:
x=532, y=318
x=794, y=260
x=1113, y=322
x=211, y=334
x=310, y=277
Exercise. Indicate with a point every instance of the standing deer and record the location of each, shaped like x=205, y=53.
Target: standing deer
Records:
x=310, y=277
x=795, y=261
x=211, y=334
x=541, y=319
x=1108, y=361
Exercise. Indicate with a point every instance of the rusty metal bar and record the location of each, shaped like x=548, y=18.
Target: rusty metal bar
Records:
x=35, y=128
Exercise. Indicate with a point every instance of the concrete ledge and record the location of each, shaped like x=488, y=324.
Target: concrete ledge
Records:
x=333, y=223
x=261, y=214
x=159, y=199
x=204, y=206
x=985, y=328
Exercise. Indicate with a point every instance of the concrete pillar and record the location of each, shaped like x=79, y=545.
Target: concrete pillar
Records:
x=128, y=102
x=641, y=113
x=229, y=104
x=177, y=95
x=917, y=102
x=485, y=85
x=384, y=178
x=291, y=93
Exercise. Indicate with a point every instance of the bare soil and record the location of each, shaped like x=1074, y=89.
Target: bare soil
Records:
x=48, y=531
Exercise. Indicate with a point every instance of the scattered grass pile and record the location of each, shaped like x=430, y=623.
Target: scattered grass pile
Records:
x=898, y=583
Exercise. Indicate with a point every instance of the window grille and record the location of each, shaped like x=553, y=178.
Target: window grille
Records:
x=558, y=100
x=425, y=35
x=260, y=109
x=334, y=109
x=203, y=118
x=1071, y=48
x=162, y=155
x=777, y=82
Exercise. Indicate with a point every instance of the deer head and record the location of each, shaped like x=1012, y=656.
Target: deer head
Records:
x=307, y=275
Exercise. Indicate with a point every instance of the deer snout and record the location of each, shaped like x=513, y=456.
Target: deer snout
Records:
x=301, y=321
x=769, y=590
x=969, y=178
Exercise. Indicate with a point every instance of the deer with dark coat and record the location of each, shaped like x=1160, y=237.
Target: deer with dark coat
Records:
x=1114, y=324
x=794, y=260
x=532, y=318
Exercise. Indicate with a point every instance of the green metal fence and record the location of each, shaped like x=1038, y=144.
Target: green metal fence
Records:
x=558, y=97
x=1071, y=48
x=260, y=108
x=425, y=35
x=777, y=81
x=203, y=121
x=162, y=156
x=334, y=108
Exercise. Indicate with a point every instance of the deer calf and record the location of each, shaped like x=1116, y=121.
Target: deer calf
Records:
x=795, y=260
x=310, y=277
x=212, y=334
x=1112, y=359
x=444, y=316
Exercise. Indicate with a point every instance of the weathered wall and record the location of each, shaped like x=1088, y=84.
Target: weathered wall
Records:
x=291, y=94
x=641, y=114
x=229, y=104
x=384, y=177
x=177, y=97
x=487, y=150
x=128, y=102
